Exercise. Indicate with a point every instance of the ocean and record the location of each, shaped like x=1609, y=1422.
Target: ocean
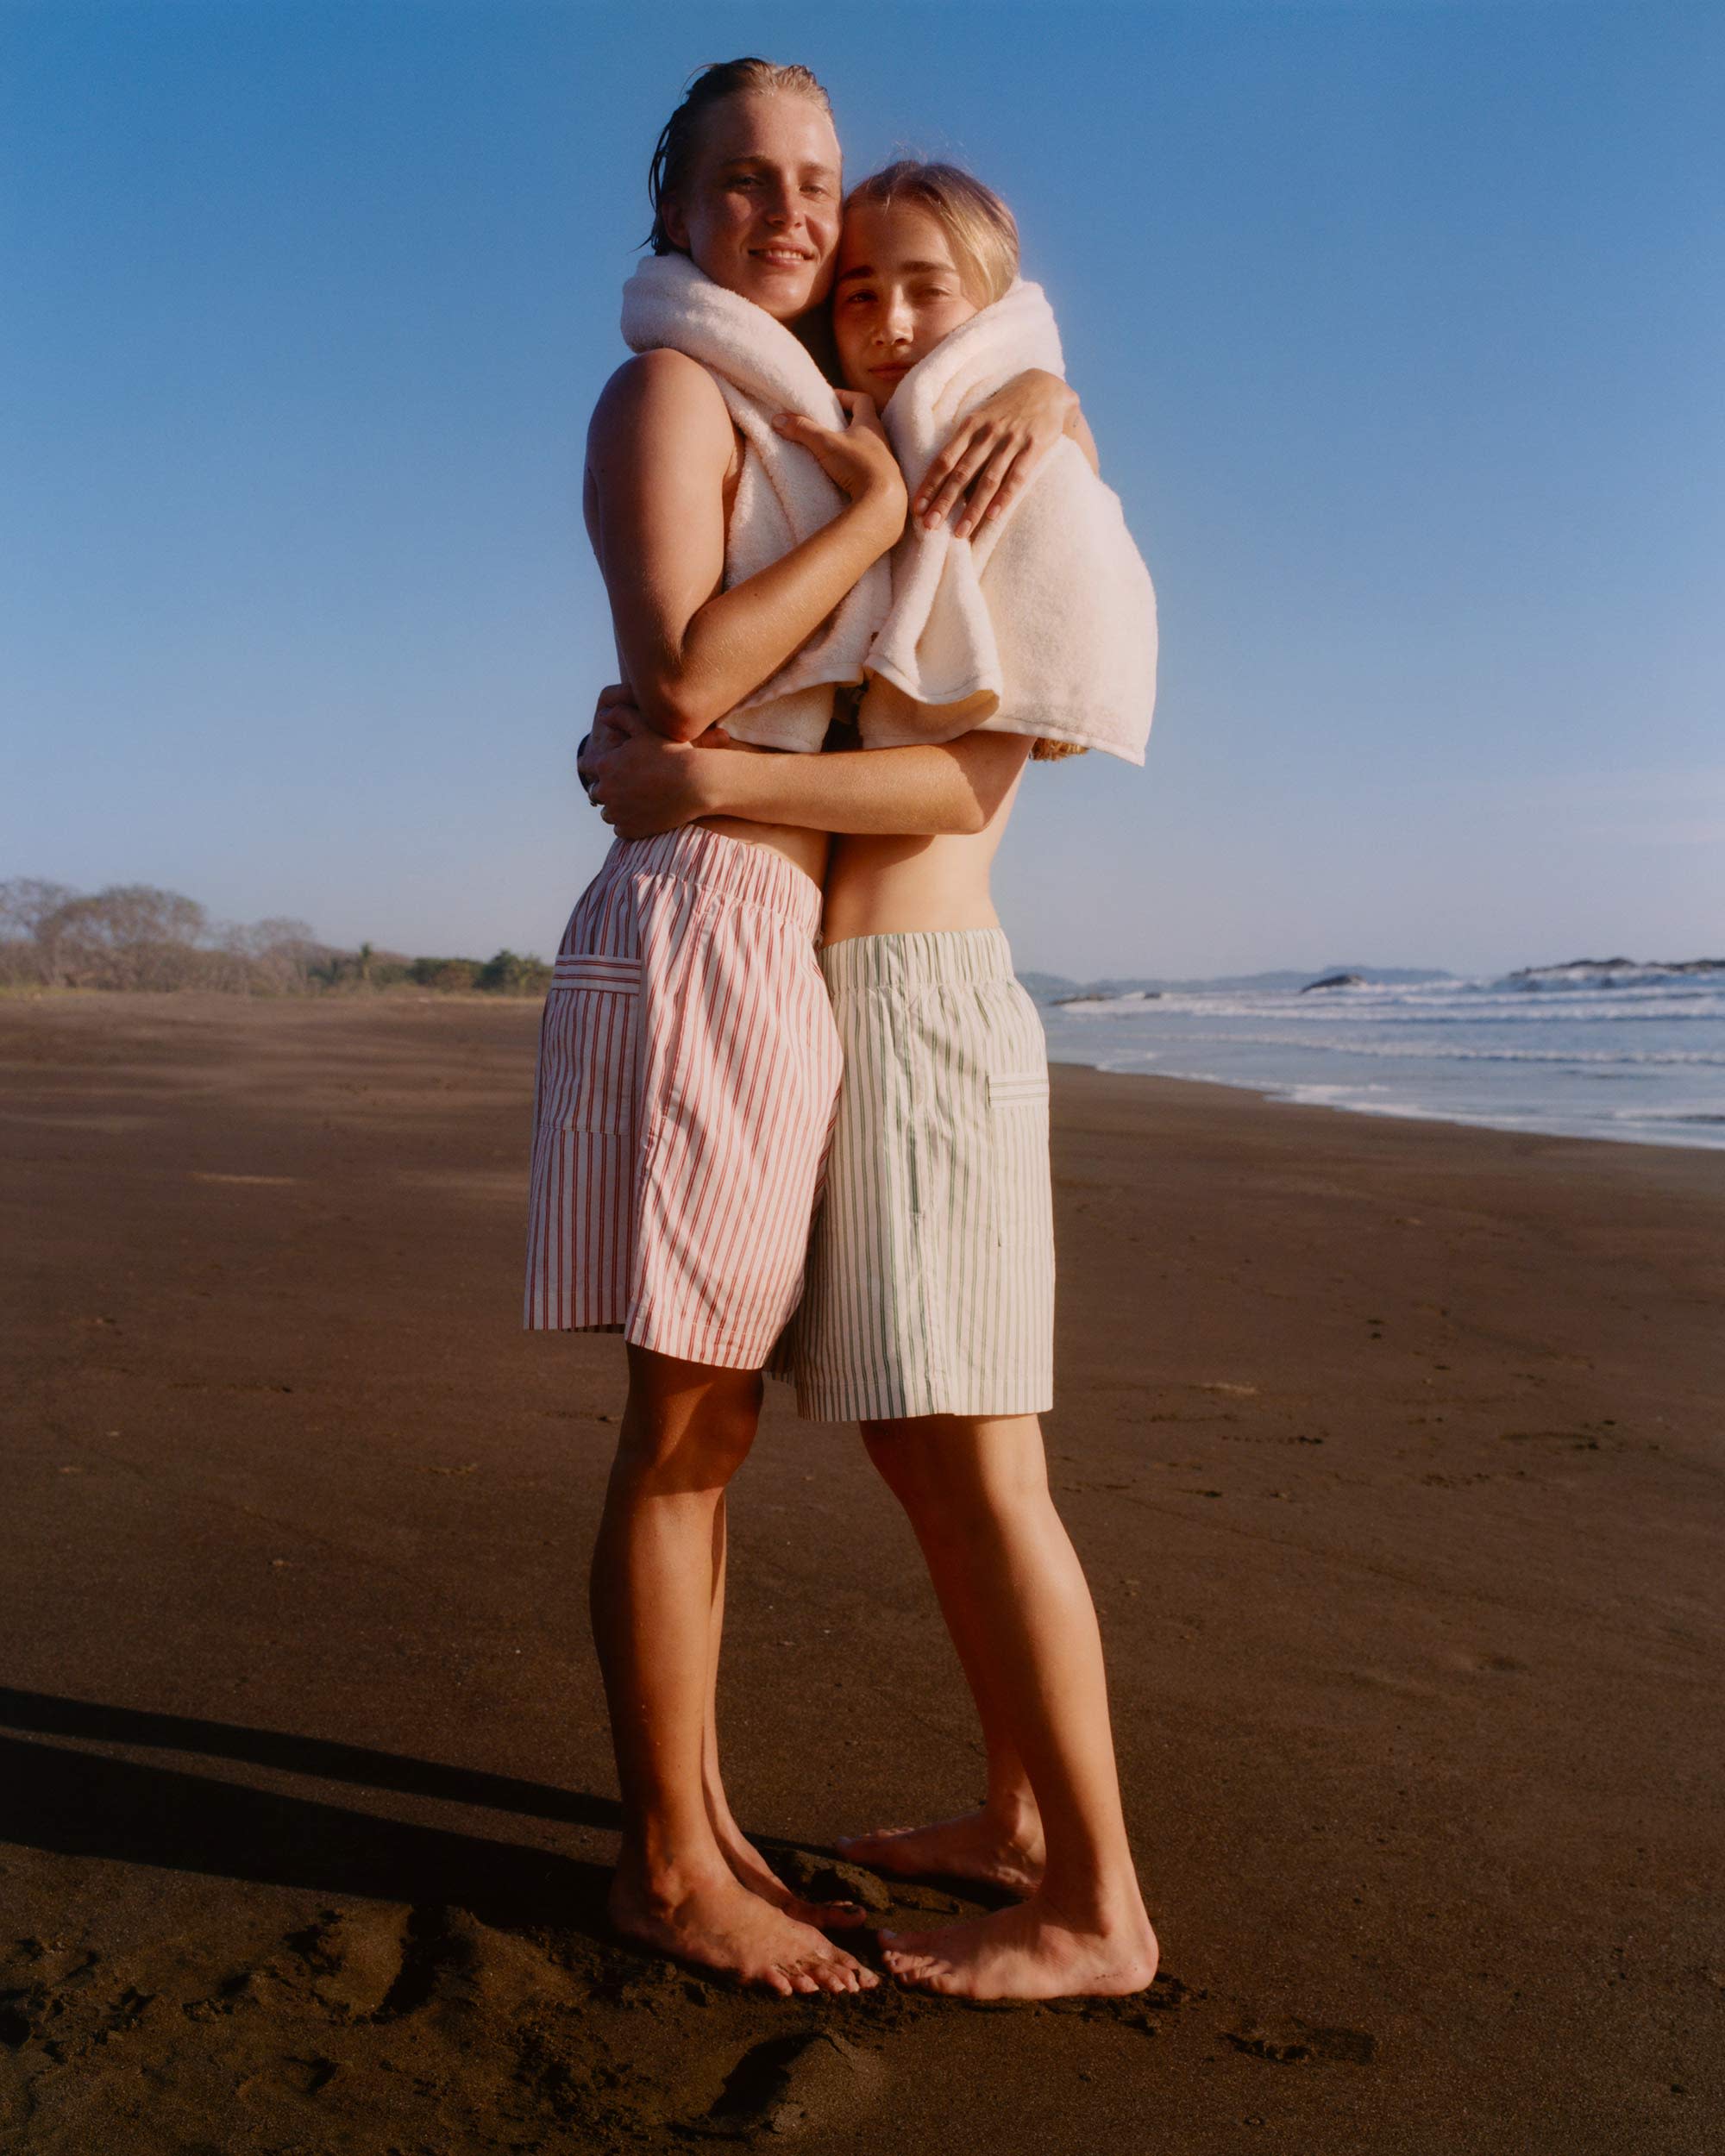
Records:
x=1605, y=1049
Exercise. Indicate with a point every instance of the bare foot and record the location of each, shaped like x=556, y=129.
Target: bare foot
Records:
x=718, y=1924
x=976, y=1847
x=752, y=1870
x=1026, y=1952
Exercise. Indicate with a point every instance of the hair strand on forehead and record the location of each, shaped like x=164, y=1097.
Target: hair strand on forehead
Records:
x=674, y=153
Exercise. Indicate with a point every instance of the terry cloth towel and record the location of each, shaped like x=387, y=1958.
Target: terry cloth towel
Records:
x=1044, y=621
x=782, y=495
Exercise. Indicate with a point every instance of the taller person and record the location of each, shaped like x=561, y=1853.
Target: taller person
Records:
x=689, y=1064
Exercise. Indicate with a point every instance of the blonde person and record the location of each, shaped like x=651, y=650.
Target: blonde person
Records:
x=688, y=1061
x=928, y=1312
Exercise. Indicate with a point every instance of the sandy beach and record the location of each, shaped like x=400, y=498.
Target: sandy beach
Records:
x=1393, y=1451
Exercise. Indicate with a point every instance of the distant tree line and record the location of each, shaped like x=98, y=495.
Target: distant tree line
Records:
x=133, y=936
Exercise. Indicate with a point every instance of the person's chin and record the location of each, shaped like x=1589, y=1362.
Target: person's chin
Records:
x=786, y=289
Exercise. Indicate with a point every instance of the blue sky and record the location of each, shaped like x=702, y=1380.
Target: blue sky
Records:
x=1401, y=327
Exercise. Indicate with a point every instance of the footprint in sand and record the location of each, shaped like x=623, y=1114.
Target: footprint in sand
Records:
x=354, y=1956
x=1292, y=2042
x=790, y=2084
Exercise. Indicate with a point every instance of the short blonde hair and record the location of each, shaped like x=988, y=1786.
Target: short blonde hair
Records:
x=984, y=233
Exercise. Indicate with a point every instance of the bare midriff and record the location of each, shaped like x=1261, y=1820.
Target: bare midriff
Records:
x=804, y=849
x=897, y=886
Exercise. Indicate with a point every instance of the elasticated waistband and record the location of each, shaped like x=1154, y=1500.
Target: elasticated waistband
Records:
x=923, y=958
x=734, y=869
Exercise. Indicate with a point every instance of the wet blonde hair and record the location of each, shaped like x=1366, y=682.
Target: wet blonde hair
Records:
x=984, y=234
x=679, y=143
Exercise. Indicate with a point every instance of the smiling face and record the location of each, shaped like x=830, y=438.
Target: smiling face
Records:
x=760, y=211
x=898, y=290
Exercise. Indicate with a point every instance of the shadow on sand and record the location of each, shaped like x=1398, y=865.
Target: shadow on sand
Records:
x=83, y=1803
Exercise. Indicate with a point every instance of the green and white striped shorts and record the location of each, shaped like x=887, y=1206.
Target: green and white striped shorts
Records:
x=929, y=1285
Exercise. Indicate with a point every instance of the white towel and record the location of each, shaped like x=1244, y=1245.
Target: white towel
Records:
x=782, y=495
x=1044, y=621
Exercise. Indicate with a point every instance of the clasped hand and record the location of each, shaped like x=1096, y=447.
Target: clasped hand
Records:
x=641, y=783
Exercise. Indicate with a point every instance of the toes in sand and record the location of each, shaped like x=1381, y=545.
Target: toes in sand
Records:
x=718, y=1924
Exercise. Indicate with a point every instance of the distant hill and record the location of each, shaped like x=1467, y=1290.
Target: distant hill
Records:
x=1047, y=986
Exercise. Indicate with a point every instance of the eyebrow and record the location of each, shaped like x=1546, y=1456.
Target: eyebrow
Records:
x=826, y=171
x=868, y=269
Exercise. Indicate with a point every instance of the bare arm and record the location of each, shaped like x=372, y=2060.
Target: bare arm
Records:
x=646, y=784
x=994, y=451
x=659, y=452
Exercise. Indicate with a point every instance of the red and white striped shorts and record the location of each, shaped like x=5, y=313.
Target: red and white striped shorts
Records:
x=689, y=1075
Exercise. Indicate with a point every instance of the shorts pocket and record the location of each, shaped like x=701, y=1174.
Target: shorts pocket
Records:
x=588, y=1047
x=1018, y=1089
x=1017, y=1133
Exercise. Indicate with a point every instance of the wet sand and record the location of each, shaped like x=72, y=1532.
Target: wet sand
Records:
x=1393, y=1451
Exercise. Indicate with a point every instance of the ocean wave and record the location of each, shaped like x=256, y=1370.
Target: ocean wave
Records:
x=1690, y=1128
x=1400, y=1008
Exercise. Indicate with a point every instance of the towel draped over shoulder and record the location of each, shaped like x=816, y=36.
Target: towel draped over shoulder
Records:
x=782, y=497
x=1044, y=621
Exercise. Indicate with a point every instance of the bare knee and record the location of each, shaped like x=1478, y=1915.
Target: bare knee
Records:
x=686, y=1427
x=954, y=1473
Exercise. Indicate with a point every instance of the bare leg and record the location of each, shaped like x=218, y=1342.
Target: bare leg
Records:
x=1000, y=1843
x=686, y=1430
x=977, y=1493
x=739, y=1853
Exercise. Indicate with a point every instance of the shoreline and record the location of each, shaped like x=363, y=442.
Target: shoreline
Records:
x=1283, y=1098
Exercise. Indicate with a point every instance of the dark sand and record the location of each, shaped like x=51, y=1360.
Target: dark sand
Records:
x=1393, y=1451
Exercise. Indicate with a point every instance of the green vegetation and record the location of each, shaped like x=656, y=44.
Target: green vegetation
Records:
x=133, y=936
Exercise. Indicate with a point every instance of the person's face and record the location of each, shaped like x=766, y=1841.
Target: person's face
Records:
x=896, y=293
x=760, y=211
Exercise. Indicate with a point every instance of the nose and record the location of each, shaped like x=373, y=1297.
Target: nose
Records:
x=896, y=326
x=781, y=207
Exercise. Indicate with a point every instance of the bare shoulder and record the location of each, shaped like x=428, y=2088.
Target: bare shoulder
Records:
x=657, y=393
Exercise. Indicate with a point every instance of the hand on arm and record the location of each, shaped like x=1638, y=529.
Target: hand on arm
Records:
x=647, y=785
x=994, y=450
x=606, y=733
x=658, y=453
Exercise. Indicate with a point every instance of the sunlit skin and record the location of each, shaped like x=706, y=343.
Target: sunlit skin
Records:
x=921, y=827
x=975, y=1492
